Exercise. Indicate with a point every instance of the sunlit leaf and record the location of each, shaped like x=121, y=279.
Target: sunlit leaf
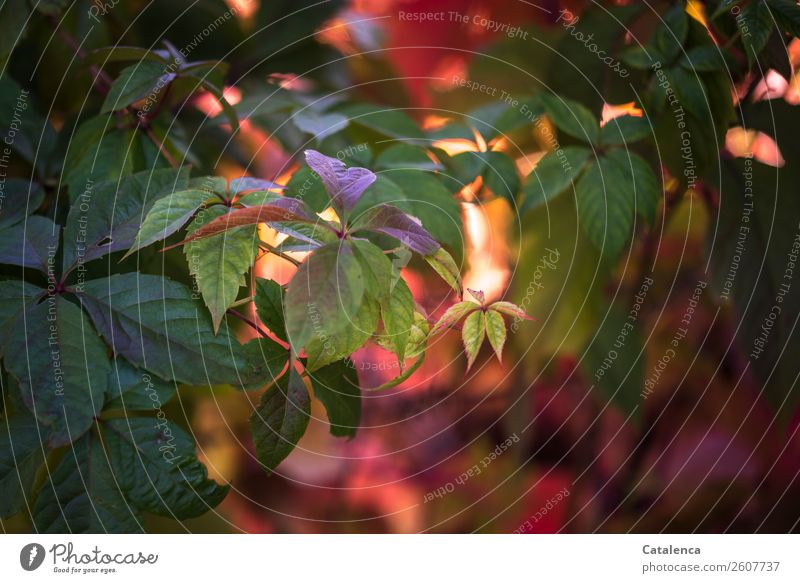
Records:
x=472, y=334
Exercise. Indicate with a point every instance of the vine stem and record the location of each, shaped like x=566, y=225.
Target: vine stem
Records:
x=281, y=254
x=261, y=332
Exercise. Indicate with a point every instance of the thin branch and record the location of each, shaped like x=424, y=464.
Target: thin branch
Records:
x=261, y=332
x=281, y=254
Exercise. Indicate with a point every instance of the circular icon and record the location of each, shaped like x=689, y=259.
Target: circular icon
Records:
x=31, y=556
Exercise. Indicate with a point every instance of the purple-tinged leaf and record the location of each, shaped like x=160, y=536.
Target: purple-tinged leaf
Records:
x=454, y=315
x=478, y=295
x=32, y=243
x=510, y=309
x=391, y=221
x=344, y=185
x=282, y=210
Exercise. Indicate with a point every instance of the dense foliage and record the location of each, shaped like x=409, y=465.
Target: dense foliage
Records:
x=128, y=260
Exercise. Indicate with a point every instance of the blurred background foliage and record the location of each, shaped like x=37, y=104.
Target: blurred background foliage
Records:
x=713, y=446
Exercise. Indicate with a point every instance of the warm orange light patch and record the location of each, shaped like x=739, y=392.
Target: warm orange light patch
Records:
x=614, y=111
x=487, y=247
x=744, y=143
x=209, y=105
x=695, y=9
x=772, y=86
x=243, y=9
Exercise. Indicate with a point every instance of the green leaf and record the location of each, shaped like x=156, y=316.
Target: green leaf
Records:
x=336, y=385
x=377, y=269
x=552, y=175
x=787, y=13
x=625, y=130
x=155, y=465
x=705, y=58
x=132, y=389
x=21, y=198
x=22, y=451
x=755, y=26
x=305, y=185
x=210, y=184
x=472, y=334
x=443, y=264
x=391, y=123
x=499, y=172
x=398, y=317
x=219, y=263
x=640, y=182
x=157, y=325
x=97, y=152
x=496, y=332
x=571, y=117
x=319, y=125
x=23, y=129
x=324, y=349
x=31, y=244
x=501, y=175
x=280, y=419
x=605, y=206
x=135, y=83
x=454, y=315
x=638, y=57
x=324, y=295
x=82, y=495
x=405, y=157
x=107, y=217
x=167, y=215
x=671, y=34
x=267, y=359
x=16, y=296
x=61, y=366
x=270, y=299
x=690, y=91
